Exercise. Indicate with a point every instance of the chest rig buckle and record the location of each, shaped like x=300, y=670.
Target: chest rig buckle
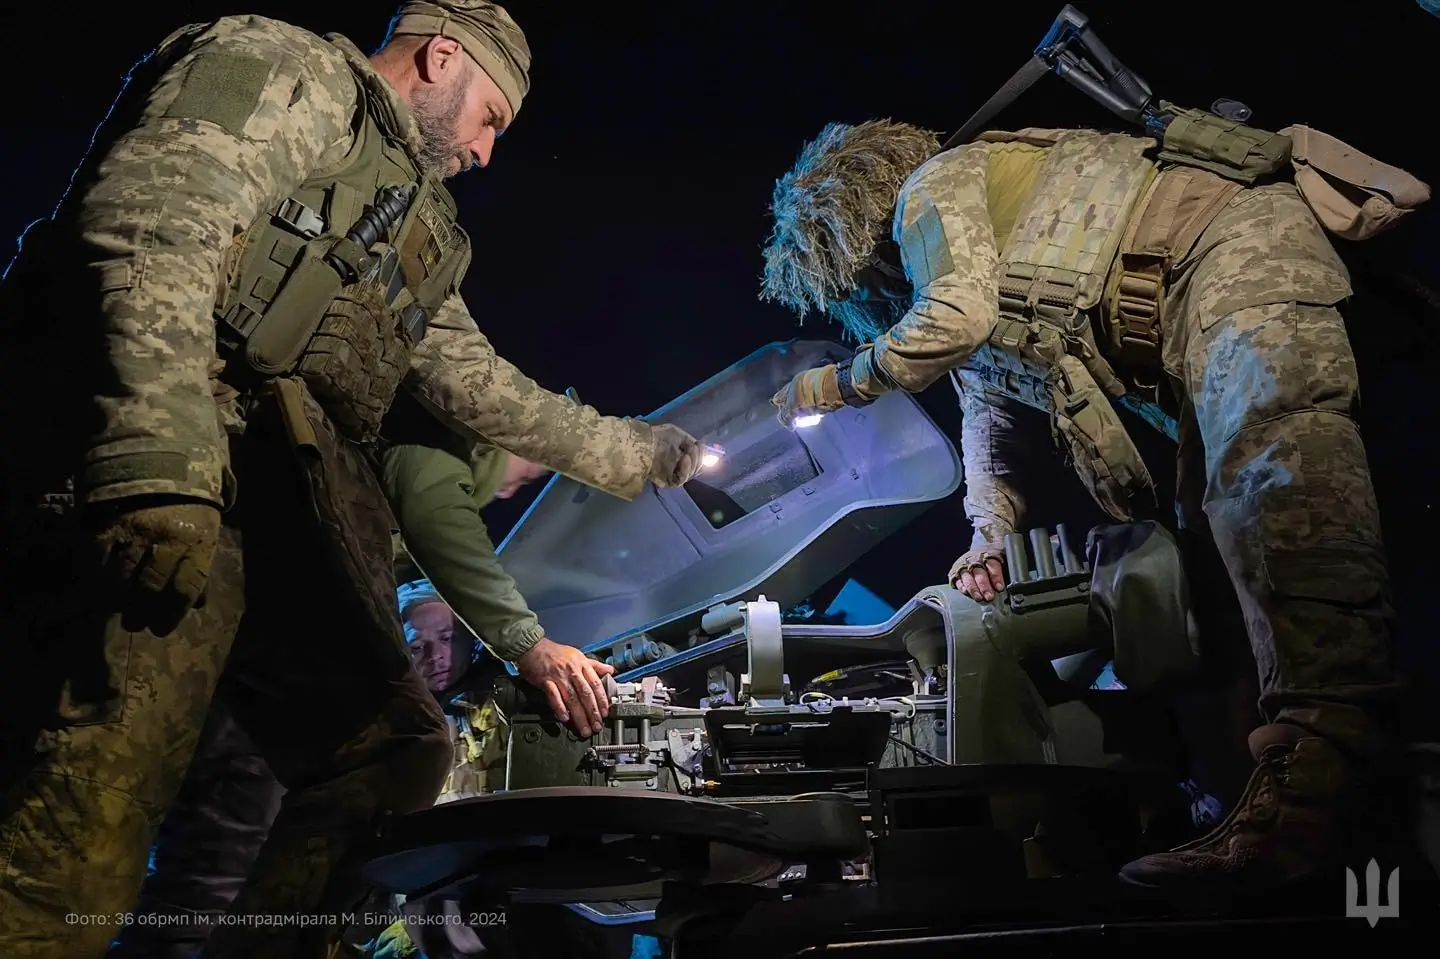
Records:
x=1039, y=322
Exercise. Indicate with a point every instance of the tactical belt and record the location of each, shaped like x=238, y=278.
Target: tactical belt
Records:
x=1181, y=203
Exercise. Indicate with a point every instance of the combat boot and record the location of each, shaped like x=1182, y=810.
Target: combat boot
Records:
x=1283, y=828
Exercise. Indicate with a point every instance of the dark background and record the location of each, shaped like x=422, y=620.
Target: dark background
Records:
x=618, y=230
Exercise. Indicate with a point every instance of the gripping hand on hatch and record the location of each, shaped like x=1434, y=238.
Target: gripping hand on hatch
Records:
x=980, y=573
x=678, y=456
x=157, y=555
x=573, y=683
x=813, y=391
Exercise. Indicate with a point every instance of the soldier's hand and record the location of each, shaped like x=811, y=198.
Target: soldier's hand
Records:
x=813, y=391
x=573, y=683
x=678, y=456
x=980, y=573
x=158, y=557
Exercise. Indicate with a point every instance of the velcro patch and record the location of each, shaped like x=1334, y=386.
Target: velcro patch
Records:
x=927, y=251
x=222, y=88
x=154, y=465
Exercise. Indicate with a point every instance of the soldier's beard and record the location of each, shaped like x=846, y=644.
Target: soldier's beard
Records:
x=437, y=115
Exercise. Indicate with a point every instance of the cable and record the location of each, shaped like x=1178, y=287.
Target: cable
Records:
x=928, y=756
x=675, y=770
x=814, y=698
x=905, y=701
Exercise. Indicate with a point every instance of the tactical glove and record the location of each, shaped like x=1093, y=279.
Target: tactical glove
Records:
x=980, y=573
x=159, y=557
x=677, y=456
x=810, y=392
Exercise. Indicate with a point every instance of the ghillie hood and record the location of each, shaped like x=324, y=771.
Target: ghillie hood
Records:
x=831, y=211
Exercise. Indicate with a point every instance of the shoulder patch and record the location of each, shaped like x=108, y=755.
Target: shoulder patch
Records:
x=926, y=251
x=223, y=88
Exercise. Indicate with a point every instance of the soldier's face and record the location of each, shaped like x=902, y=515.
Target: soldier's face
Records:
x=430, y=633
x=460, y=113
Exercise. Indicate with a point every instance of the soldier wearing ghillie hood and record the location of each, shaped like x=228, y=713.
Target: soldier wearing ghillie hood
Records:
x=1068, y=272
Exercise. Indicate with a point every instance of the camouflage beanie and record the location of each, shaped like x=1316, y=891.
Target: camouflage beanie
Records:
x=485, y=30
x=414, y=594
x=835, y=207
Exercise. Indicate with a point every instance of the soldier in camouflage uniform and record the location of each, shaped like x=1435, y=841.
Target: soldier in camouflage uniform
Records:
x=218, y=823
x=256, y=252
x=1024, y=265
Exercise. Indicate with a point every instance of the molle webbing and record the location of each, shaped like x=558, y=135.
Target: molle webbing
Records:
x=1181, y=203
x=1053, y=267
x=1066, y=237
x=1197, y=138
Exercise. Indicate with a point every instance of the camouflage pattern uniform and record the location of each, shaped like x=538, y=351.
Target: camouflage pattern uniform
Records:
x=1255, y=347
x=206, y=846
x=214, y=831
x=115, y=298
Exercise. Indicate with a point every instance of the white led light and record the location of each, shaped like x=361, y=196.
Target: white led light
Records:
x=709, y=460
x=809, y=420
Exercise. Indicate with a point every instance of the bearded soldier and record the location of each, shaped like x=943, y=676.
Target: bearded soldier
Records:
x=1067, y=270
x=255, y=253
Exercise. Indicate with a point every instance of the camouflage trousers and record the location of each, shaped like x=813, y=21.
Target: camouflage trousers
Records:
x=215, y=829
x=207, y=845
x=299, y=633
x=1272, y=467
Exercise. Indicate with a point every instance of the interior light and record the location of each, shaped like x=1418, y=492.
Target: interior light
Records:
x=711, y=457
x=808, y=420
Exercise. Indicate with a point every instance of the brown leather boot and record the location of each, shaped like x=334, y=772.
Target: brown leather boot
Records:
x=1283, y=828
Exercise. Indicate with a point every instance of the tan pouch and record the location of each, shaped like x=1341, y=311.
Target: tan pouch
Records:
x=1353, y=195
x=1104, y=456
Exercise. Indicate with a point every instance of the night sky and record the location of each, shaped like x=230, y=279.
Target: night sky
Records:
x=618, y=229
